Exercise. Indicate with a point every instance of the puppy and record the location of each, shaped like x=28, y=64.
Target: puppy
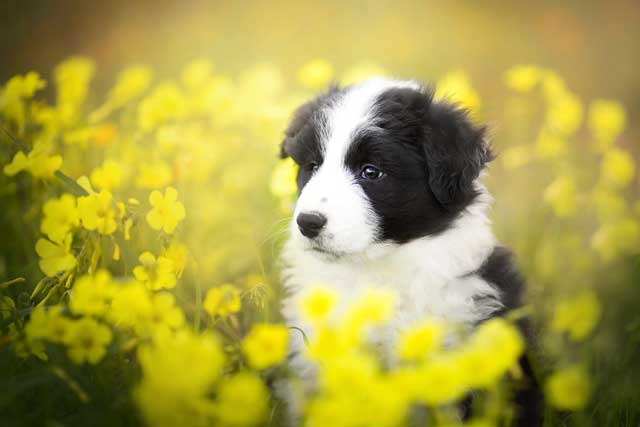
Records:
x=390, y=196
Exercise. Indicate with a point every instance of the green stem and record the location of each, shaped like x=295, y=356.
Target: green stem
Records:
x=14, y=139
x=304, y=336
x=74, y=186
x=71, y=383
x=12, y=282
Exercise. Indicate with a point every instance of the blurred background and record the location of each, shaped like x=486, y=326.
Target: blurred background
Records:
x=593, y=42
x=567, y=197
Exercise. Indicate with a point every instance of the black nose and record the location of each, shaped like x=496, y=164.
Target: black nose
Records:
x=311, y=223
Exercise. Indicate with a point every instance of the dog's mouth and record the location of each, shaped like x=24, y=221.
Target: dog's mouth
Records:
x=324, y=251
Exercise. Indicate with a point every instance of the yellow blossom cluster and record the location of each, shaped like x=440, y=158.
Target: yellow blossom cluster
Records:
x=571, y=191
x=356, y=389
x=153, y=215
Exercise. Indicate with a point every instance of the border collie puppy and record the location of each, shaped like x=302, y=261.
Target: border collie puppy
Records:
x=390, y=196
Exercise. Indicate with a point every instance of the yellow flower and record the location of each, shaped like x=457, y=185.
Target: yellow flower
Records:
x=47, y=323
x=318, y=303
x=242, y=400
x=178, y=372
x=355, y=369
x=266, y=345
x=617, y=168
x=38, y=163
x=131, y=307
x=130, y=84
x=165, y=313
x=607, y=119
x=550, y=145
x=100, y=135
x=87, y=341
x=179, y=254
x=24, y=86
x=109, y=176
x=60, y=216
x=97, y=213
x=553, y=86
x=328, y=343
x=356, y=393
x=610, y=206
x=135, y=308
x=197, y=359
x=153, y=175
x=522, y=78
x=55, y=257
x=564, y=114
x=222, y=301
x=91, y=295
x=491, y=351
x=569, y=388
x=417, y=342
x=167, y=211
x=615, y=238
x=561, y=196
x=196, y=74
x=315, y=74
x=375, y=306
x=166, y=102
x=72, y=81
x=283, y=179
x=456, y=87
x=14, y=94
x=440, y=381
x=577, y=316
x=155, y=273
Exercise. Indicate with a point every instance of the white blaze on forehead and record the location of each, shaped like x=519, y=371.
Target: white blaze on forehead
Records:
x=350, y=112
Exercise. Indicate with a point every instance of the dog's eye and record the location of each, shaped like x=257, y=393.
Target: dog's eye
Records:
x=371, y=172
x=312, y=166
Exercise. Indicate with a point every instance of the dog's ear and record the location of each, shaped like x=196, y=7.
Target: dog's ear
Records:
x=303, y=117
x=456, y=150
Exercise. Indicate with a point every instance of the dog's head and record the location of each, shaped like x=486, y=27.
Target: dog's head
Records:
x=380, y=162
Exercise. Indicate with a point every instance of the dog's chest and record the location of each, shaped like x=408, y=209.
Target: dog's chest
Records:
x=422, y=290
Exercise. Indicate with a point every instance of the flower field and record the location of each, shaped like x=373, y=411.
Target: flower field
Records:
x=139, y=271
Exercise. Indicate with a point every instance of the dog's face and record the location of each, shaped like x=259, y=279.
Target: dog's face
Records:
x=381, y=162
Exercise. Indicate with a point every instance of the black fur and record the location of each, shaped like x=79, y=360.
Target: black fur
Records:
x=430, y=152
x=501, y=271
x=302, y=137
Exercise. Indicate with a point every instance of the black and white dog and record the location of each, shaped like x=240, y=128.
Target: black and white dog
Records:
x=390, y=196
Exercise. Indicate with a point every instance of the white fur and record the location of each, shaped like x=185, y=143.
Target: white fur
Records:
x=431, y=276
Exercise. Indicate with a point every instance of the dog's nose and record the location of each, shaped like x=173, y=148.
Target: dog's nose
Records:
x=311, y=223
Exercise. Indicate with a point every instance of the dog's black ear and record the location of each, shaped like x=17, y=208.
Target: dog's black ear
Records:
x=303, y=117
x=456, y=151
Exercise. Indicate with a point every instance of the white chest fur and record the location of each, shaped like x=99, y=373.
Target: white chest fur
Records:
x=431, y=277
